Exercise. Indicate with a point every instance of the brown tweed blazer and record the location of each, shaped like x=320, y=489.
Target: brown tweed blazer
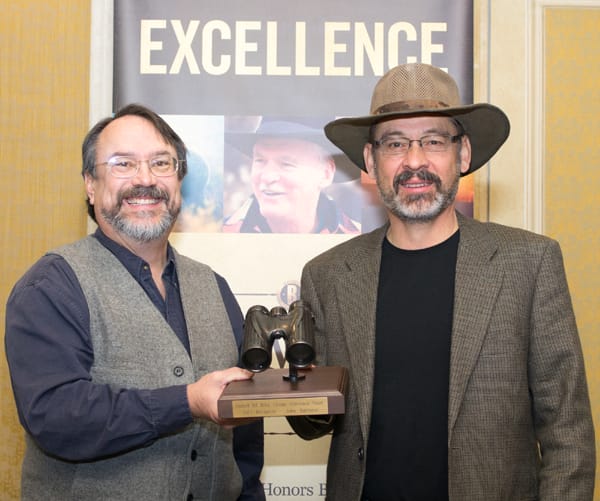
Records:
x=519, y=419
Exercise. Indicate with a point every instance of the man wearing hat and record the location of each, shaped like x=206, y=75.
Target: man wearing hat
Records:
x=292, y=167
x=467, y=380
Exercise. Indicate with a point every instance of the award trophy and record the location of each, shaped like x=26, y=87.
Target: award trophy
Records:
x=301, y=389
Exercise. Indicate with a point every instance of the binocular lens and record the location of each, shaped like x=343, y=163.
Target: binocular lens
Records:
x=300, y=354
x=256, y=359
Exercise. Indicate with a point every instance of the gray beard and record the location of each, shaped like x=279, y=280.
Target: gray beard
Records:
x=420, y=208
x=142, y=232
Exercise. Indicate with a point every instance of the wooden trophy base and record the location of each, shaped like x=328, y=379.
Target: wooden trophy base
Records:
x=320, y=391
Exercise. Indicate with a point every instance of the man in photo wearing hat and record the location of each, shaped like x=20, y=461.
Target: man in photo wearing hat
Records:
x=467, y=379
x=292, y=166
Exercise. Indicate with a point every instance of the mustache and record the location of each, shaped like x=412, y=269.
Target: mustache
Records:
x=421, y=174
x=143, y=192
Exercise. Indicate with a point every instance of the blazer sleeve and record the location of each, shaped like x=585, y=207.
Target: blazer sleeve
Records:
x=561, y=407
x=311, y=427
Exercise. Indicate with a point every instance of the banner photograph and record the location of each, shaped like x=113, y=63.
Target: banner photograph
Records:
x=249, y=86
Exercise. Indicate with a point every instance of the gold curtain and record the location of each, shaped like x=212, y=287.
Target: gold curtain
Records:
x=44, y=82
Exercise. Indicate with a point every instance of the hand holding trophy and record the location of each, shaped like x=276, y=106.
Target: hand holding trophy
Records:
x=302, y=389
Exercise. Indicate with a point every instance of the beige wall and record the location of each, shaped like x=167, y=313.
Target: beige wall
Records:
x=572, y=169
x=536, y=59
x=44, y=55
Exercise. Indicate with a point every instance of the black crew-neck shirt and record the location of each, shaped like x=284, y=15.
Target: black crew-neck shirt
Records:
x=407, y=454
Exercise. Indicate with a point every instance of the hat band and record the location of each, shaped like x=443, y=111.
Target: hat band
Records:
x=417, y=104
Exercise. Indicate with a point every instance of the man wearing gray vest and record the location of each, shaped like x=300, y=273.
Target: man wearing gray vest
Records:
x=119, y=347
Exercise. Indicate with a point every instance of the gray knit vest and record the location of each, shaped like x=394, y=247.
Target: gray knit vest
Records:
x=134, y=347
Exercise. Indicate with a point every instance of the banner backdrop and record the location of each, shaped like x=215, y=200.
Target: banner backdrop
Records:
x=248, y=85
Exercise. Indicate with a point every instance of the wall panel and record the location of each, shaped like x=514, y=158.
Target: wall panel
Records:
x=572, y=168
x=44, y=53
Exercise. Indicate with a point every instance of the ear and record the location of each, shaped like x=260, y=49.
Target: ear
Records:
x=328, y=172
x=465, y=154
x=90, y=189
x=368, y=157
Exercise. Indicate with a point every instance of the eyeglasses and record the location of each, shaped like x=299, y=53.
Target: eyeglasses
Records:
x=399, y=146
x=127, y=167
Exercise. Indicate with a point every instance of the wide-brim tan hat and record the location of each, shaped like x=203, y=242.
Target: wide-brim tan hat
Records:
x=420, y=89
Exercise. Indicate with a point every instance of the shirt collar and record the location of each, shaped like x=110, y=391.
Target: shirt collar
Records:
x=132, y=262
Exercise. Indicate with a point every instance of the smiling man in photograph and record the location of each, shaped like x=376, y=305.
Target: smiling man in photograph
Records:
x=292, y=169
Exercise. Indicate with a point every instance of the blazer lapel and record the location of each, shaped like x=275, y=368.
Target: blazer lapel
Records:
x=357, y=293
x=478, y=281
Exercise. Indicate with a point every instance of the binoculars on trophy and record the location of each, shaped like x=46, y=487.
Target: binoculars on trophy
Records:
x=262, y=327
x=277, y=391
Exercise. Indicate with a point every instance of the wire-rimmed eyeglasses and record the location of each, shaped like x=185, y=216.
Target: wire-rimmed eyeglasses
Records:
x=125, y=167
x=399, y=146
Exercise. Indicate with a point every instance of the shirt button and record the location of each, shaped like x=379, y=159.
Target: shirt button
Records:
x=178, y=371
x=194, y=455
x=361, y=453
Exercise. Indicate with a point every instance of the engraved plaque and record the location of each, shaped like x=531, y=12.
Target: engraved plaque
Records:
x=268, y=394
